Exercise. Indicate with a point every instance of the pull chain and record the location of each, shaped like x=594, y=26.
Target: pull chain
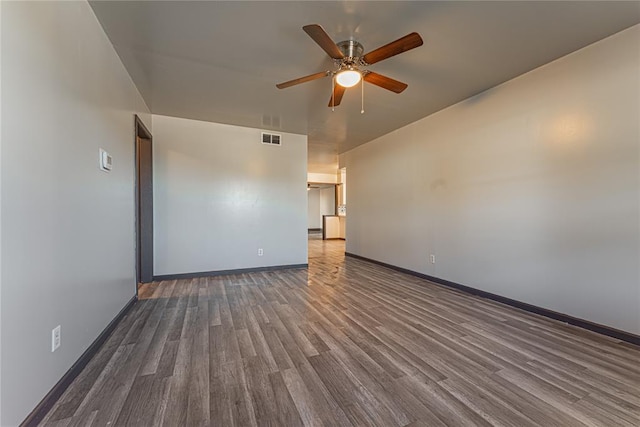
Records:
x=333, y=93
x=362, y=85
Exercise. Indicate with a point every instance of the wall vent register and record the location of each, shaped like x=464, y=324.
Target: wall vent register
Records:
x=271, y=138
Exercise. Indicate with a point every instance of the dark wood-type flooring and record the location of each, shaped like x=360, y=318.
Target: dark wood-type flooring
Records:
x=346, y=342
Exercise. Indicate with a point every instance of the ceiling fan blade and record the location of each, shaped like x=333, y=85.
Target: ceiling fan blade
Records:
x=408, y=42
x=302, y=80
x=385, y=82
x=338, y=91
x=319, y=36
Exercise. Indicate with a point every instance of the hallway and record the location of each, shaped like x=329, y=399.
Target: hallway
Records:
x=346, y=342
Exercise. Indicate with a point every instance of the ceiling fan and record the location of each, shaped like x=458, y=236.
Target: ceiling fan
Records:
x=352, y=64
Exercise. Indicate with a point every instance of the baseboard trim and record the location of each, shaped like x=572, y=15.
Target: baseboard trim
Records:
x=227, y=272
x=315, y=230
x=45, y=405
x=585, y=324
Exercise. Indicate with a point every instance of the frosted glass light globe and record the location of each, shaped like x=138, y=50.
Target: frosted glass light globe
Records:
x=348, y=78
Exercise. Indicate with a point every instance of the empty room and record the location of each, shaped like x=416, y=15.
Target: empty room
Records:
x=319, y=213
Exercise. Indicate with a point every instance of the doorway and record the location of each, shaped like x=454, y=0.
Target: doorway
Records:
x=144, y=204
x=320, y=202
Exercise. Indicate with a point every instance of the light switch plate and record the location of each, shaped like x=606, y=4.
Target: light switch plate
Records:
x=55, y=338
x=106, y=161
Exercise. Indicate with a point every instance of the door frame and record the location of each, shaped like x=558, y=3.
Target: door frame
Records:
x=141, y=131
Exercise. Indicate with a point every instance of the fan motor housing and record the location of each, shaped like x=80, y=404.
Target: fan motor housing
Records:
x=351, y=48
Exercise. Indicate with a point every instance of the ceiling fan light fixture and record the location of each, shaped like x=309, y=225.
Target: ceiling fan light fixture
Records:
x=348, y=78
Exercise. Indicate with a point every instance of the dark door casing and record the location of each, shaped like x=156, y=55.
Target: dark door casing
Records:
x=144, y=214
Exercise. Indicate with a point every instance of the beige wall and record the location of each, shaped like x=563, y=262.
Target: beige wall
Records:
x=220, y=195
x=322, y=178
x=529, y=190
x=67, y=227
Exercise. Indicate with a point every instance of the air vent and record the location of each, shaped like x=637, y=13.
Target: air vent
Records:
x=271, y=138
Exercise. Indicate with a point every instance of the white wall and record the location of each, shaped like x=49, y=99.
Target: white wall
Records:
x=313, y=208
x=0, y=214
x=529, y=190
x=219, y=195
x=327, y=201
x=343, y=187
x=67, y=228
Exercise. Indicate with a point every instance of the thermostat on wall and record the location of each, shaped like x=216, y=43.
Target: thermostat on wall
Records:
x=106, y=161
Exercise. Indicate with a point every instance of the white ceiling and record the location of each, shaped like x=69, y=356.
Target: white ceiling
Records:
x=220, y=61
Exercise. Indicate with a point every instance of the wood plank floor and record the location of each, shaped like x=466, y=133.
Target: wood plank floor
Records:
x=342, y=343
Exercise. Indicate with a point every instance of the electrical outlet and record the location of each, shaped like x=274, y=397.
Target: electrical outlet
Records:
x=55, y=338
x=432, y=258
x=260, y=252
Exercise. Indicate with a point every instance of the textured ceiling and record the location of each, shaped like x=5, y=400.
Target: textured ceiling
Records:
x=220, y=61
